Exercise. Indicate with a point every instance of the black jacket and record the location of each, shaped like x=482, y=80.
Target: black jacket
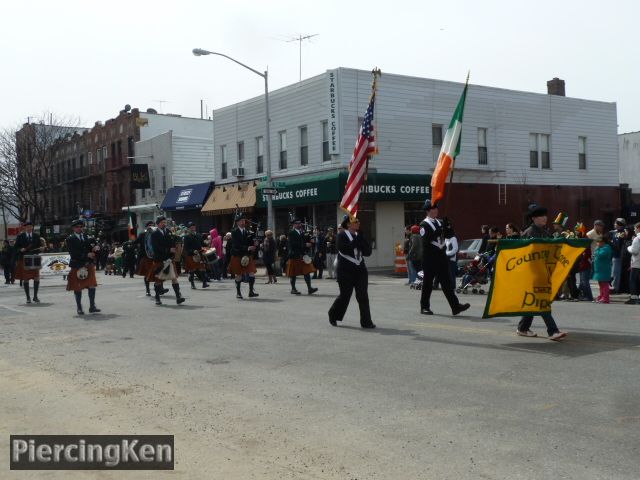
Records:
x=296, y=243
x=79, y=250
x=162, y=243
x=240, y=242
x=332, y=247
x=23, y=242
x=347, y=247
x=192, y=241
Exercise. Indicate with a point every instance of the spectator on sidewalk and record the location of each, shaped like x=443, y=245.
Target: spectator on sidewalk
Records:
x=634, y=271
x=602, y=268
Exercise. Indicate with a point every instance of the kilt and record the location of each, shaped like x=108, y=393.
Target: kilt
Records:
x=191, y=265
x=296, y=266
x=22, y=274
x=143, y=266
x=75, y=284
x=235, y=268
x=156, y=265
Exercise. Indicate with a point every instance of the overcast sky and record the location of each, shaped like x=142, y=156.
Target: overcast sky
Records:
x=88, y=59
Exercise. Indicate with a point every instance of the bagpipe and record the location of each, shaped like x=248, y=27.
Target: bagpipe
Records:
x=307, y=234
x=94, y=247
x=255, y=234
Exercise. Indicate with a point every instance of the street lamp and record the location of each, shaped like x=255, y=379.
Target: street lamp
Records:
x=270, y=216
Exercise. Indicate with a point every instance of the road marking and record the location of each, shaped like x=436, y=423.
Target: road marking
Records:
x=14, y=310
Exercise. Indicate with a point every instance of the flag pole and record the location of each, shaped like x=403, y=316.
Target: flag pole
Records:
x=466, y=84
x=376, y=72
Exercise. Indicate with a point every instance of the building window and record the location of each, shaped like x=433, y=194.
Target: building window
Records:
x=304, y=146
x=325, y=142
x=539, y=150
x=436, y=141
x=283, y=150
x=90, y=158
x=152, y=181
x=582, y=153
x=104, y=153
x=240, y=154
x=483, y=158
x=259, y=155
x=119, y=148
x=223, y=161
x=130, y=147
x=164, y=179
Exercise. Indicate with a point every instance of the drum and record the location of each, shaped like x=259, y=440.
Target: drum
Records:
x=32, y=262
x=210, y=255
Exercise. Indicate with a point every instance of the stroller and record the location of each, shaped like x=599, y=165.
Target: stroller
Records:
x=476, y=274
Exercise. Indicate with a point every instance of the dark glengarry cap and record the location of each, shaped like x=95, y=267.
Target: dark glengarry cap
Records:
x=149, y=223
x=161, y=218
x=27, y=222
x=296, y=220
x=239, y=216
x=77, y=223
x=190, y=224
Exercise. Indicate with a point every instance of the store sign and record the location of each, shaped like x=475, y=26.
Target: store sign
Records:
x=334, y=113
x=380, y=187
x=184, y=195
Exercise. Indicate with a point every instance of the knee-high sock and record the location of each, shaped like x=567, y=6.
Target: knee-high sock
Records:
x=36, y=284
x=78, y=296
x=238, y=284
x=146, y=286
x=307, y=279
x=176, y=289
x=252, y=280
x=92, y=297
x=293, y=283
x=25, y=284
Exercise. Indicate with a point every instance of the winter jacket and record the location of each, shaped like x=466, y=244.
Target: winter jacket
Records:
x=602, y=263
x=634, y=250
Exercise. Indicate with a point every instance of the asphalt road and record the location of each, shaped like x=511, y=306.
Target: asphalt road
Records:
x=267, y=389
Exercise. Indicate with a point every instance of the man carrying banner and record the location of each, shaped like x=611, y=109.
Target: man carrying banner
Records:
x=435, y=262
x=537, y=229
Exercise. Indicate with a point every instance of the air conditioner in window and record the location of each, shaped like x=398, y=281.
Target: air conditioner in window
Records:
x=237, y=172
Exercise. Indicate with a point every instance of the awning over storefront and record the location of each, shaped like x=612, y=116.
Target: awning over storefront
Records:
x=329, y=187
x=191, y=197
x=227, y=198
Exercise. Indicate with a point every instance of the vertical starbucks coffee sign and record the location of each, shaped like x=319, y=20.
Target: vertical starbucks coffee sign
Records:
x=334, y=116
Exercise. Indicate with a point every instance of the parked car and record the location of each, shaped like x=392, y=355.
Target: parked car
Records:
x=467, y=250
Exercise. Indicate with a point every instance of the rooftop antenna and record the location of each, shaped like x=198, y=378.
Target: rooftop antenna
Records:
x=161, y=102
x=299, y=39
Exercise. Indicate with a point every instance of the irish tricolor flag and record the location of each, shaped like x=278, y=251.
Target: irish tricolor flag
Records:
x=449, y=151
x=132, y=231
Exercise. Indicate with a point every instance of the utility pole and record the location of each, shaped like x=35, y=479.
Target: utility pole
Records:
x=299, y=39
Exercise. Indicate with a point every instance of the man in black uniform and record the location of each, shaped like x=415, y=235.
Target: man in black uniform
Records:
x=128, y=258
x=436, y=262
x=27, y=243
x=296, y=265
x=242, y=249
x=352, y=247
x=163, y=245
x=193, y=265
x=144, y=255
x=82, y=251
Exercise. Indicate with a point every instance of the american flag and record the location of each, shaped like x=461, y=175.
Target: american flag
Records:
x=365, y=146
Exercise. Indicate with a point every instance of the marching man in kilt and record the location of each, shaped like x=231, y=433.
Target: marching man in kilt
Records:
x=145, y=260
x=297, y=264
x=27, y=243
x=242, y=249
x=163, y=245
x=83, y=270
x=193, y=260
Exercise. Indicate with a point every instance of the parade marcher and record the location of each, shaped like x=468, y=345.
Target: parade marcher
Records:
x=353, y=274
x=537, y=229
x=634, y=270
x=118, y=252
x=269, y=255
x=83, y=252
x=332, y=251
x=451, y=246
x=8, y=262
x=193, y=265
x=27, y=242
x=145, y=255
x=435, y=262
x=618, y=237
x=163, y=246
x=296, y=265
x=242, y=250
x=319, y=253
x=128, y=259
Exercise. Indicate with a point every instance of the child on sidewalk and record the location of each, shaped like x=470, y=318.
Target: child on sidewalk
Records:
x=602, y=267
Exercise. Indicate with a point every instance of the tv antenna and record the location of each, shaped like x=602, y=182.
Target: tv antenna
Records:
x=161, y=102
x=299, y=39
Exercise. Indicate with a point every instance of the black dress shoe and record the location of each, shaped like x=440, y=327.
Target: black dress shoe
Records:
x=36, y=300
x=94, y=309
x=80, y=311
x=148, y=294
x=426, y=311
x=180, y=300
x=312, y=291
x=295, y=292
x=460, y=308
x=239, y=296
x=253, y=294
x=163, y=291
x=370, y=325
x=333, y=322
x=28, y=300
